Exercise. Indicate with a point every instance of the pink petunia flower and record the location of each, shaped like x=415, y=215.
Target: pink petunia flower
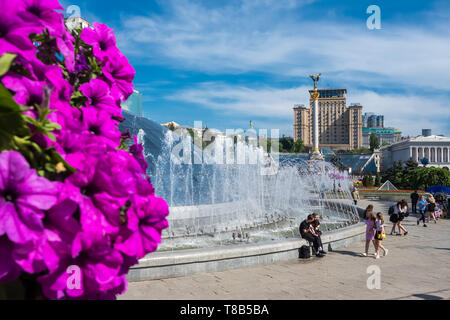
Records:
x=42, y=12
x=98, y=94
x=99, y=266
x=137, y=151
x=26, y=92
x=119, y=73
x=146, y=220
x=23, y=198
x=9, y=269
x=102, y=126
x=14, y=31
x=102, y=40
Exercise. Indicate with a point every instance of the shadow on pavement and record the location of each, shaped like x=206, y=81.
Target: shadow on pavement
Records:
x=348, y=253
x=427, y=296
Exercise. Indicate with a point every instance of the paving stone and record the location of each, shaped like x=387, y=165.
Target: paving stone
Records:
x=417, y=267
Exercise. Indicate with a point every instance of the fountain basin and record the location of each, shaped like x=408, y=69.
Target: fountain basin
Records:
x=162, y=265
x=179, y=263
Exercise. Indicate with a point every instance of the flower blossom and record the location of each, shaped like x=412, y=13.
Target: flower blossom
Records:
x=24, y=197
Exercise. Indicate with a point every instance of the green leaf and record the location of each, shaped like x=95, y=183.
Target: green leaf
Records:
x=5, y=62
x=11, y=119
x=50, y=167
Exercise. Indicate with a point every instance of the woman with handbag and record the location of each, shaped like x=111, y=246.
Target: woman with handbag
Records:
x=379, y=236
x=397, y=217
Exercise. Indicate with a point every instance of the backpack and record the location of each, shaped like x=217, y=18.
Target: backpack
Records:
x=391, y=210
x=304, y=252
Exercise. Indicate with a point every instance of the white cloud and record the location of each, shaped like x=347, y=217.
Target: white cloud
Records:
x=410, y=113
x=267, y=36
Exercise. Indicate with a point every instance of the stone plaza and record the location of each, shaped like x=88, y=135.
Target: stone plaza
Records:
x=417, y=267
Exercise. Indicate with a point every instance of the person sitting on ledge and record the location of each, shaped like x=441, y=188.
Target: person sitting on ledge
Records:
x=308, y=233
x=316, y=226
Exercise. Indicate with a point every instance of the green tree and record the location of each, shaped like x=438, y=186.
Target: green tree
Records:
x=364, y=181
x=286, y=144
x=394, y=174
x=410, y=165
x=265, y=144
x=368, y=180
x=362, y=150
x=378, y=180
x=298, y=146
x=422, y=178
x=374, y=142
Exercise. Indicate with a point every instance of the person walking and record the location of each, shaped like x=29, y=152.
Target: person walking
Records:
x=414, y=198
x=355, y=194
x=379, y=236
x=397, y=216
x=393, y=217
x=402, y=213
x=431, y=208
x=370, y=229
x=422, y=210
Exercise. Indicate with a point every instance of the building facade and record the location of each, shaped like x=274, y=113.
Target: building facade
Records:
x=434, y=148
x=76, y=23
x=340, y=127
x=372, y=120
x=386, y=136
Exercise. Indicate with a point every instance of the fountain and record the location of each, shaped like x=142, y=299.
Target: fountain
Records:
x=238, y=198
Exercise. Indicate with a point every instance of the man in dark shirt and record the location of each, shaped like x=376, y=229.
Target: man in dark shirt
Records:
x=307, y=232
x=414, y=198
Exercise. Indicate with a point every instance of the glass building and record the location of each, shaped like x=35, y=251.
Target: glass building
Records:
x=134, y=103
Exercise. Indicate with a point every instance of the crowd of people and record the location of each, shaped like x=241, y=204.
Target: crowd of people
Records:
x=427, y=208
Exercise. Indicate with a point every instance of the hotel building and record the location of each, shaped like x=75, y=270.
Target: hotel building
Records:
x=340, y=127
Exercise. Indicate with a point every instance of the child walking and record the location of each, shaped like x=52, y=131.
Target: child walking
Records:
x=379, y=235
x=422, y=209
x=370, y=229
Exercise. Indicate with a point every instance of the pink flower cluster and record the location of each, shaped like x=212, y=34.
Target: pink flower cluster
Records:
x=104, y=216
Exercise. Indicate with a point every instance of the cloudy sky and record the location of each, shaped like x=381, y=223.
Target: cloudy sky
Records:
x=226, y=62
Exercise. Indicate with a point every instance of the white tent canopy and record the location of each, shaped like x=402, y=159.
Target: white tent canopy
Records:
x=387, y=186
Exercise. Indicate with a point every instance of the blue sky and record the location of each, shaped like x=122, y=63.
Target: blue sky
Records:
x=227, y=62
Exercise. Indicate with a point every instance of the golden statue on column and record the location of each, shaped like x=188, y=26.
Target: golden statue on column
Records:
x=316, y=155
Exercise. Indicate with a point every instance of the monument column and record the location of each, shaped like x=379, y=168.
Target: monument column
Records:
x=315, y=97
